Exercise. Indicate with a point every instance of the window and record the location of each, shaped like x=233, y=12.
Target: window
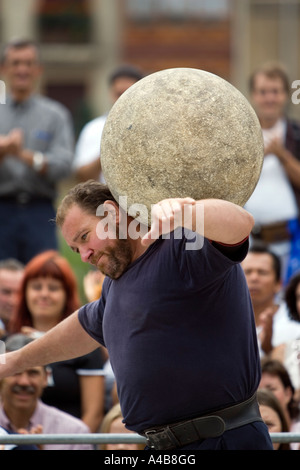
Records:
x=66, y=21
x=184, y=9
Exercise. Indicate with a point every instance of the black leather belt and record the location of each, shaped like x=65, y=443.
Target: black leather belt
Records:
x=186, y=432
x=272, y=233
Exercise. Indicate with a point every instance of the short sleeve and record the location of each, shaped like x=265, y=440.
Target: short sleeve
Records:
x=90, y=316
x=207, y=262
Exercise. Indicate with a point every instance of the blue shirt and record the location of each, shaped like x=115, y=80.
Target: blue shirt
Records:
x=180, y=332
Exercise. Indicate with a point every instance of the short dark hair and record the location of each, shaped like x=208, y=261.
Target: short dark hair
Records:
x=88, y=195
x=271, y=70
x=128, y=71
x=290, y=297
x=19, y=44
x=277, y=369
x=276, y=260
x=17, y=341
x=11, y=264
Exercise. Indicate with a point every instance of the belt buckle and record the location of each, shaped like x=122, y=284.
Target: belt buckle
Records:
x=147, y=434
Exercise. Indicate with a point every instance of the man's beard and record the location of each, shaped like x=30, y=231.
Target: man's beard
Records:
x=116, y=259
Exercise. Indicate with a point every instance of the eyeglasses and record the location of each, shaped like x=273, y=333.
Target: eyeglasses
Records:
x=269, y=91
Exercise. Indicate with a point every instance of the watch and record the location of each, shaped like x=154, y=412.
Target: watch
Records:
x=38, y=161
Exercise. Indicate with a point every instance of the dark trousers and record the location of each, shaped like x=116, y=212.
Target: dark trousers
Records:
x=26, y=229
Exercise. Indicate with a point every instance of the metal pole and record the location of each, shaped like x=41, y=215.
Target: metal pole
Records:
x=25, y=439
x=94, y=439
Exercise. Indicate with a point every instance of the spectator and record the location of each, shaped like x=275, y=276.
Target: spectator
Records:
x=274, y=327
x=92, y=284
x=276, y=378
x=289, y=353
x=36, y=151
x=276, y=198
x=21, y=407
x=11, y=274
x=113, y=423
x=273, y=415
x=4, y=432
x=48, y=295
x=87, y=155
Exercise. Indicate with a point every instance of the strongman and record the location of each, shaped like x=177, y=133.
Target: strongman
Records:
x=177, y=322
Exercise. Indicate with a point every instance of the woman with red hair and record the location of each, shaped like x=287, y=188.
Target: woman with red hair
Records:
x=51, y=267
x=48, y=295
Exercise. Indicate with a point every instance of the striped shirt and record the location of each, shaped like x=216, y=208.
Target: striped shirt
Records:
x=47, y=128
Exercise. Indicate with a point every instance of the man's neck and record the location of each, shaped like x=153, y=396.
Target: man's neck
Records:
x=19, y=96
x=138, y=250
x=268, y=123
x=262, y=307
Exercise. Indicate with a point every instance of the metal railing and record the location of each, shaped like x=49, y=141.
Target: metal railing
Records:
x=95, y=439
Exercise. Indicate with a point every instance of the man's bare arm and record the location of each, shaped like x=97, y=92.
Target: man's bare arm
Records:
x=216, y=219
x=65, y=341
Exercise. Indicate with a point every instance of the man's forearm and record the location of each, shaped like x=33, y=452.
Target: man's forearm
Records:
x=218, y=220
x=65, y=341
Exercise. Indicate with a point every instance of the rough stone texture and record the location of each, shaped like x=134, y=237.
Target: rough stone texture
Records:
x=181, y=132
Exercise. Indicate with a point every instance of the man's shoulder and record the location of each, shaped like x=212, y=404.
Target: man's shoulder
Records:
x=94, y=126
x=294, y=127
x=50, y=105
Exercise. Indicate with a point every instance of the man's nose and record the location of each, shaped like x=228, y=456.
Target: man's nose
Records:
x=23, y=379
x=253, y=276
x=85, y=254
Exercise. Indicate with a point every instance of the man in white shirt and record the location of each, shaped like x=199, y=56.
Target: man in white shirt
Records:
x=87, y=154
x=273, y=324
x=275, y=200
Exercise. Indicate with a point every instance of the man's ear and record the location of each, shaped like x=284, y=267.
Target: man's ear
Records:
x=39, y=71
x=278, y=287
x=113, y=211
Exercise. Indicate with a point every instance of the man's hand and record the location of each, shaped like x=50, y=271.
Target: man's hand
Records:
x=167, y=215
x=287, y=159
x=275, y=147
x=11, y=143
x=265, y=328
x=35, y=430
x=218, y=220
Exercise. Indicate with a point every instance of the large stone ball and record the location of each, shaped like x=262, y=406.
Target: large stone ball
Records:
x=181, y=132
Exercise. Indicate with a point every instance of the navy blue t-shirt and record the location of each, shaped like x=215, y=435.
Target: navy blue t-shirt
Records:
x=180, y=333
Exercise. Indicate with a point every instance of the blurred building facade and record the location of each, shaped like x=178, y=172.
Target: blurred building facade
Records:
x=83, y=40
